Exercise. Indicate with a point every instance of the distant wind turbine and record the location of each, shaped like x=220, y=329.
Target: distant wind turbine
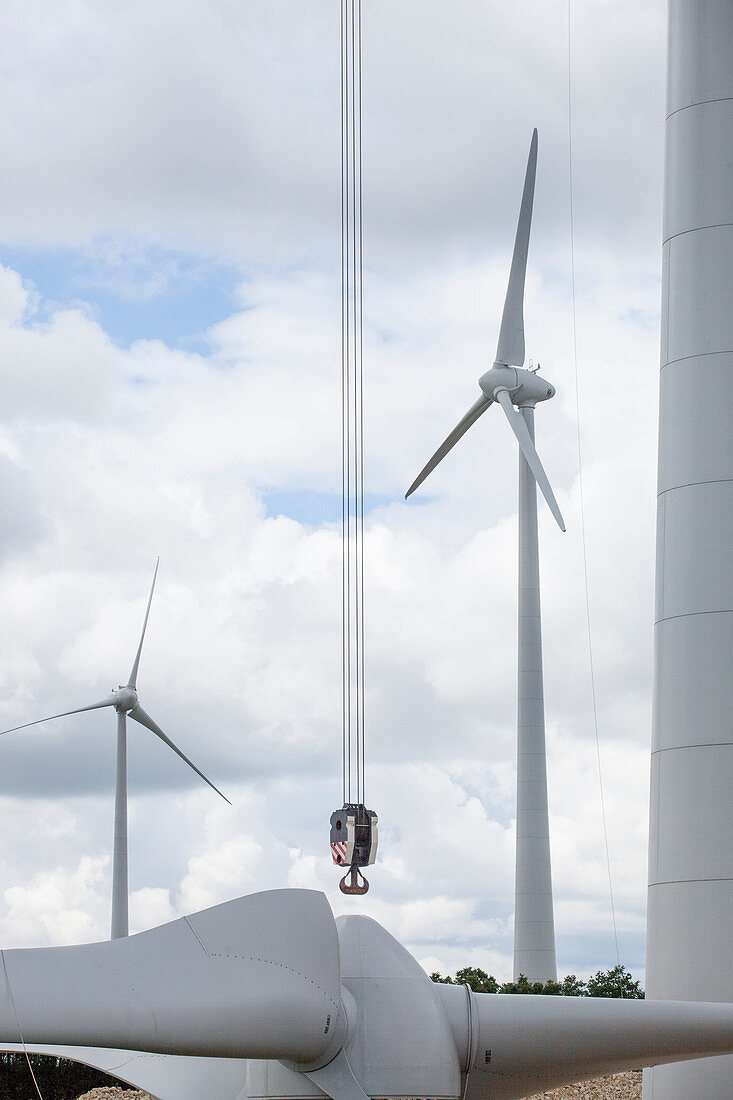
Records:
x=125, y=701
x=508, y=385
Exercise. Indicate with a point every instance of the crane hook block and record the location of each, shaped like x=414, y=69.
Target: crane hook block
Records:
x=354, y=837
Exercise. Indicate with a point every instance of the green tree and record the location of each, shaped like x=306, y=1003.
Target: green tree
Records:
x=523, y=985
x=573, y=987
x=616, y=982
x=478, y=980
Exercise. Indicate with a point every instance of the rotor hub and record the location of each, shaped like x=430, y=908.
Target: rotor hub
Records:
x=125, y=699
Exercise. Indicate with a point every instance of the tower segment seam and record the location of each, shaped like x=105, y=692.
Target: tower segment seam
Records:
x=696, y=229
x=690, y=614
x=697, y=355
x=698, y=103
x=693, y=484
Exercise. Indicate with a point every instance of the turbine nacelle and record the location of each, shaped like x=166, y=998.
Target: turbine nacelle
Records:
x=525, y=387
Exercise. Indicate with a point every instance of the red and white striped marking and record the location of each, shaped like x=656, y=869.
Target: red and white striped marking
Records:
x=338, y=852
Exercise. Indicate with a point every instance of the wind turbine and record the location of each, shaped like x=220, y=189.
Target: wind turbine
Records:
x=127, y=705
x=517, y=391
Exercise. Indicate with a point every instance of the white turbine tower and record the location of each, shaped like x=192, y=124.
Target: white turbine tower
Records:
x=509, y=385
x=126, y=703
x=690, y=900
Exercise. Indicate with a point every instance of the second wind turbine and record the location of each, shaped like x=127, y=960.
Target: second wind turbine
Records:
x=518, y=391
x=127, y=705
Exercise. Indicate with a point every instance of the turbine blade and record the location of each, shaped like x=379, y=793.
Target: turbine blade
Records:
x=524, y=439
x=139, y=715
x=257, y=977
x=510, y=348
x=547, y=1042
x=108, y=702
x=132, y=682
x=480, y=406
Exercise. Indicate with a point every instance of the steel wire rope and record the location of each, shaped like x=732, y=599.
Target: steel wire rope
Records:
x=580, y=486
x=345, y=442
x=362, y=693
x=354, y=364
x=352, y=406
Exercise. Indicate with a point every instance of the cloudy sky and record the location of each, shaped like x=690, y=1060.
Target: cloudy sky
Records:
x=169, y=339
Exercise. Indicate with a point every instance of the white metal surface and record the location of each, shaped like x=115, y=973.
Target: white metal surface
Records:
x=534, y=922
x=690, y=905
x=526, y=1044
x=510, y=345
x=255, y=977
x=120, y=906
x=346, y=1010
x=402, y=1045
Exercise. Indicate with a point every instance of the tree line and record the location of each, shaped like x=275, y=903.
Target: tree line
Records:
x=616, y=982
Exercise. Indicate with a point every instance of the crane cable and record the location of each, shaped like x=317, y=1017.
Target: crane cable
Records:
x=580, y=488
x=352, y=407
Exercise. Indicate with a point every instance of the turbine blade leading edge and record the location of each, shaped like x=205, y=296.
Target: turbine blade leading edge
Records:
x=521, y=431
x=480, y=406
x=139, y=715
x=108, y=702
x=510, y=348
x=132, y=682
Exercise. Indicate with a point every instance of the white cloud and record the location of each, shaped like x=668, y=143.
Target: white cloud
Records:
x=61, y=906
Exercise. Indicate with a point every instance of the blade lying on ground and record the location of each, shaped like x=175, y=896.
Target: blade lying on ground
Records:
x=108, y=702
x=163, y=1076
x=538, y=1043
x=253, y=978
x=510, y=348
x=478, y=407
x=139, y=715
x=132, y=682
x=521, y=431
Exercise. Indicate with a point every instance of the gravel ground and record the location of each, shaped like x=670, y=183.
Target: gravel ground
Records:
x=114, y=1094
x=622, y=1086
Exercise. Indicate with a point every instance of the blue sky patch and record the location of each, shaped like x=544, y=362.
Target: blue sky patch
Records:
x=315, y=508
x=134, y=293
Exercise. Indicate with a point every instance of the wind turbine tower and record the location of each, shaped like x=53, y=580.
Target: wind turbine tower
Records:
x=690, y=901
x=518, y=392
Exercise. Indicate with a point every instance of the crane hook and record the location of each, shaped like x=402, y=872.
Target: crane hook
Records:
x=353, y=886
